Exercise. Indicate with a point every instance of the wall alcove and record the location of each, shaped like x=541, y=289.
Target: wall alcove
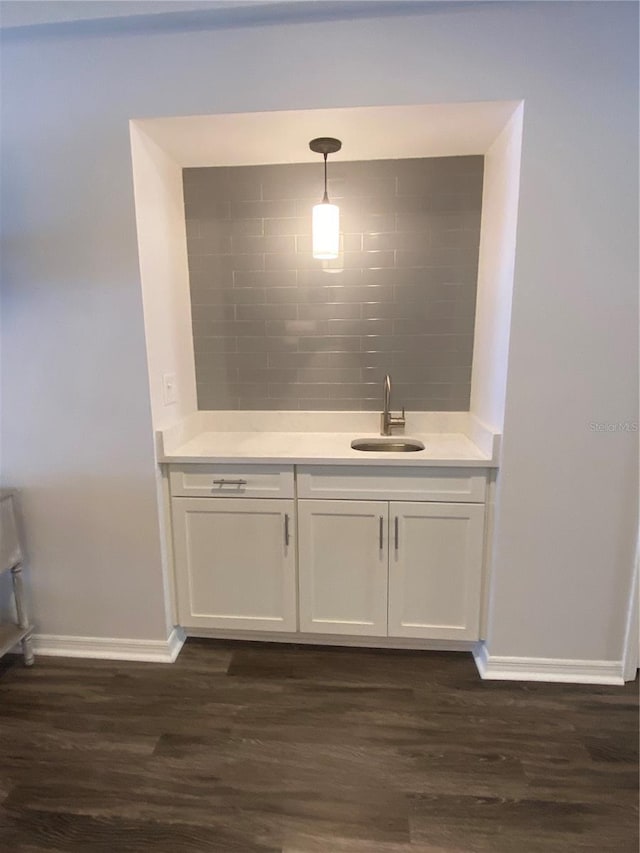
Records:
x=163, y=148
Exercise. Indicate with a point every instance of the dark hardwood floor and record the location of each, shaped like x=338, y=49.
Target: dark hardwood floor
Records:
x=289, y=749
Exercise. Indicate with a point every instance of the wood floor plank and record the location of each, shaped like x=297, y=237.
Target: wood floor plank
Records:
x=243, y=747
x=506, y=825
x=71, y=833
x=616, y=748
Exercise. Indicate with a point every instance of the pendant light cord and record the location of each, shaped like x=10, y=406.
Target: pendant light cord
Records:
x=326, y=197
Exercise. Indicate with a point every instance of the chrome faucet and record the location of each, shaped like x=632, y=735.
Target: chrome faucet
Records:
x=387, y=420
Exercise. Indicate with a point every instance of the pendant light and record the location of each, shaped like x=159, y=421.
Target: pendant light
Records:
x=326, y=216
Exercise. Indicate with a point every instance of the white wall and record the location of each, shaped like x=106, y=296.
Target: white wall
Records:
x=77, y=419
x=162, y=247
x=500, y=193
x=17, y=13
x=162, y=250
x=76, y=416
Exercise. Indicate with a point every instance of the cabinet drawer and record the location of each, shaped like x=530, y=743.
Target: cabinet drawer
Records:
x=464, y=485
x=225, y=481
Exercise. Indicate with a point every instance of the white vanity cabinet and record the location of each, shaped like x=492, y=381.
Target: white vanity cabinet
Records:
x=396, y=568
x=235, y=556
x=382, y=552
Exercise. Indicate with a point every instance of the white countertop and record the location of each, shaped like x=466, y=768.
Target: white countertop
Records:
x=441, y=449
x=324, y=438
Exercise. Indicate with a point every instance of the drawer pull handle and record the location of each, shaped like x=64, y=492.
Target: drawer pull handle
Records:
x=286, y=529
x=381, y=535
x=229, y=482
x=395, y=531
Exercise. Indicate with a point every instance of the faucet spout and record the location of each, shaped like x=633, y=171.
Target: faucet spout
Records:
x=386, y=403
x=387, y=420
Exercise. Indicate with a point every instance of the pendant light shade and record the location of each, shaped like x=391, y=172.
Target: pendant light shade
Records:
x=326, y=231
x=326, y=216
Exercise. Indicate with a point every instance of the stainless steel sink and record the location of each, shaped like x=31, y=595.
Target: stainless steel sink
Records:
x=387, y=445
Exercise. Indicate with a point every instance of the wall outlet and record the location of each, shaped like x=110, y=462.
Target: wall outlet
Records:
x=169, y=388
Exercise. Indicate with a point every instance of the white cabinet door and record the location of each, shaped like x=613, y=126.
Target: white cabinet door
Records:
x=435, y=570
x=343, y=553
x=235, y=563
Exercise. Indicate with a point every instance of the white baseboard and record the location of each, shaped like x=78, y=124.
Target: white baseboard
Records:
x=175, y=642
x=499, y=668
x=107, y=648
x=490, y=667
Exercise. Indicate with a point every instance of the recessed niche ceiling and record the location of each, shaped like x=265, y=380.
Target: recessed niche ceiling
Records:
x=367, y=133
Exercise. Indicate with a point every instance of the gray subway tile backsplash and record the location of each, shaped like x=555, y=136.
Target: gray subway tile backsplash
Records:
x=333, y=343
x=275, y=329
x=330, y=311
x=263, y=278
x=279, y=243
x=273, y=311
x=292, y=226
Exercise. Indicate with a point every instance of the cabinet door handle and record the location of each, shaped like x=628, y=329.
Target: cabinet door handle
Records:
x=224, y=482
x=395, y=532
x=286, y=529
x=381, y=535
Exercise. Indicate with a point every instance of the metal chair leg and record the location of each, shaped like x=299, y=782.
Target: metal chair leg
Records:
x=21, y=611
x=27, y=650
